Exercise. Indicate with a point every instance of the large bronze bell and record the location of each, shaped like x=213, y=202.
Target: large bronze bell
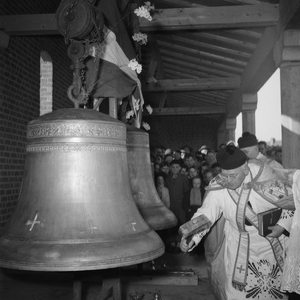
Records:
x=153, y=210
x=75, y=210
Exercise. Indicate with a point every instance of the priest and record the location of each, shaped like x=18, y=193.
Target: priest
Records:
x=242, y=264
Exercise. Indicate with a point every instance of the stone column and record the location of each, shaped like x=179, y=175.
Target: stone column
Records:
x=290, y=99
x=249, y=105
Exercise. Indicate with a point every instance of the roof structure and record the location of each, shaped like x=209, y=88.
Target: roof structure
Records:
x=202, y=56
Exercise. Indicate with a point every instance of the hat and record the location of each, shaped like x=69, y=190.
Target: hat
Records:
x=175, y=161
x=231, y=158
x=168, y=151
x=247, y=140
x=203, y=149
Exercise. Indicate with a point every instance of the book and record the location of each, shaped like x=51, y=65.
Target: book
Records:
x=268, y=218
x=194, y=226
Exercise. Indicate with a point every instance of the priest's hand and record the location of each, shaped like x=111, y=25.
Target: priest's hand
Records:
x=187, y=244
x=277, y=231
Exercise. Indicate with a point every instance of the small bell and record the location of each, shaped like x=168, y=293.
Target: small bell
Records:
x=152, y=209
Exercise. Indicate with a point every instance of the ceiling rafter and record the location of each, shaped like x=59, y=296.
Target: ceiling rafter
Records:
x=187, y=111
x=189, y=38
x=225, y=40
x=202, y=65
x=200, y=72
x=198, y=59
x=193, y=84
x=174, y=72
x=199, y=99
x=198, y=53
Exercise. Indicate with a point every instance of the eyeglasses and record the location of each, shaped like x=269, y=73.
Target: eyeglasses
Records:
x=230, y=177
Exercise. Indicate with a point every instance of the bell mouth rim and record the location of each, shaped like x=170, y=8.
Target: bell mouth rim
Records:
x=82, y=264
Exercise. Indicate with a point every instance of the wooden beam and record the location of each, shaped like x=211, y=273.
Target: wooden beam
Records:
x=18, y=25
x=163, y=19
x=209, y=97
x=181, y=3
x=291, y=53
x=187, y=111
x=266, y=58
x=199, y=84
x=252, y=2
x=200, y=100
x=212, y=17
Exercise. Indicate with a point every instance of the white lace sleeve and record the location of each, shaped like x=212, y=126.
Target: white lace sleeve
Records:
x=286, y=219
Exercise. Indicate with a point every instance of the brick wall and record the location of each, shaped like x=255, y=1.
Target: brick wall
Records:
x=20, y=95
x=176, y=131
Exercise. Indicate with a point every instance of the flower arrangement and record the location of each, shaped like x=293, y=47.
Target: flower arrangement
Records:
x=144, y=11
x=129, y=114
x=135, y=66
x=141, y=38
x=149, y=109
x=146, y=125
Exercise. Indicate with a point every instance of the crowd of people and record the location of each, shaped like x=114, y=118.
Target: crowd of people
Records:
x=222, y=187
x=180, y=178
x=182, y=174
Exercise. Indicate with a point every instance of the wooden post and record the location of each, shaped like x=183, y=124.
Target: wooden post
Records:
x=230, y=129
x=249, y=105
x=290, y=104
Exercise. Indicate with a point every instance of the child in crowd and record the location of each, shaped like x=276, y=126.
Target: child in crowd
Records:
x=162, y=191
x=165, y=167
x=193, y=198
x=184, y=170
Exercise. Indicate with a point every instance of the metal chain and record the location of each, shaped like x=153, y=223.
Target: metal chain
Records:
x=97, y=37
x=93, y=81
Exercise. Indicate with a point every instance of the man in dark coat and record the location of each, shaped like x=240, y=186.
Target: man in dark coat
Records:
x=178, y=185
